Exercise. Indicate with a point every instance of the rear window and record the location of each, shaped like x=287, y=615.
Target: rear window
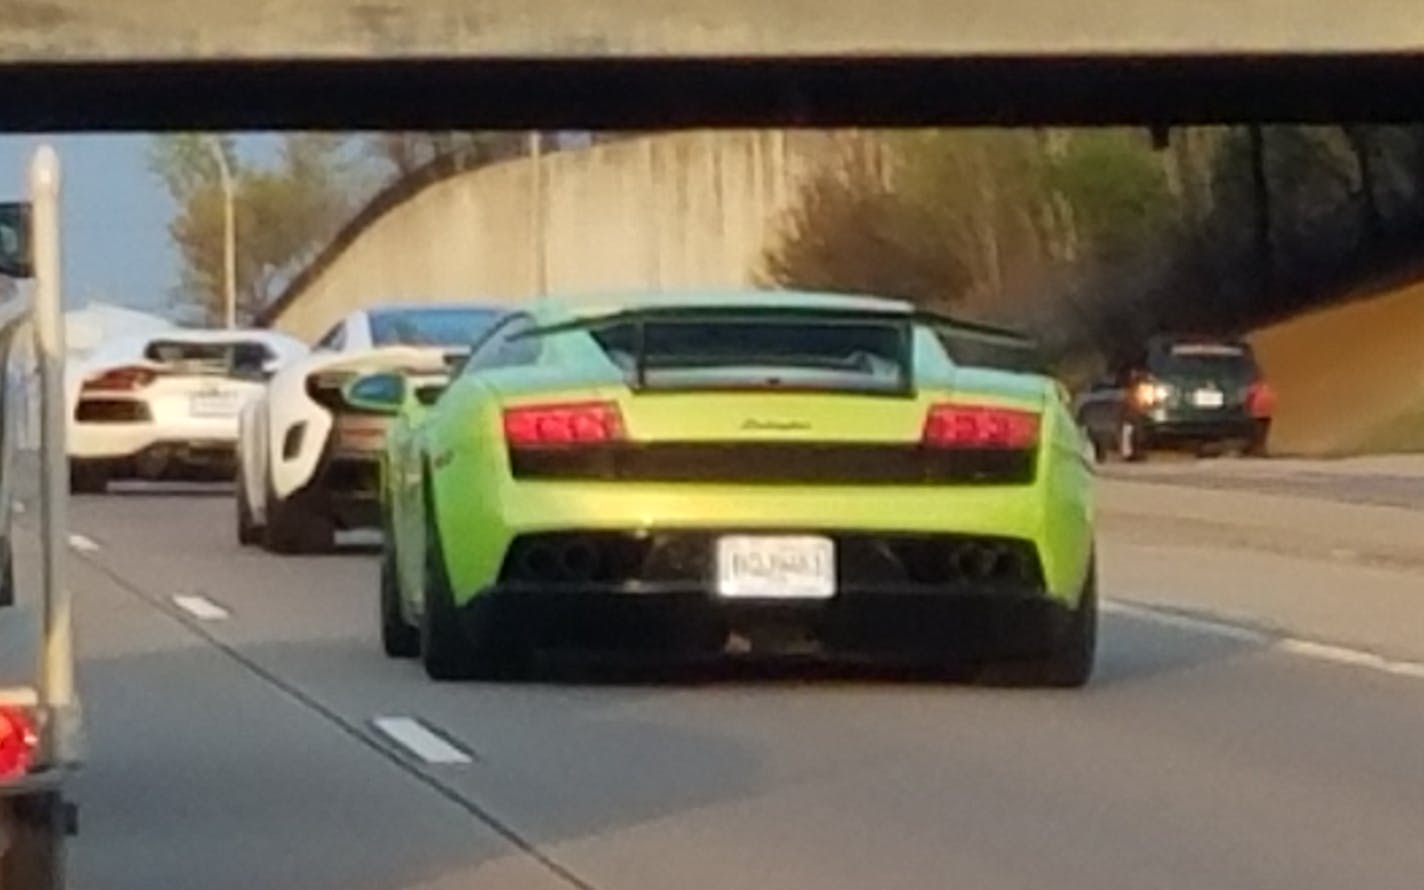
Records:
x=242, y=358
x=430, y=327
x=1215, y=360
x=840, y=354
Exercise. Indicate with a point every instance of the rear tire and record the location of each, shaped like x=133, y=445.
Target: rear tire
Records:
x=398, y=638
x=1257, y=447
x=481, y=650
x=87, y=477
x=1129, y=446
x=249, y=533
x=292, y=528
x=1069, y=661
x=7, y=578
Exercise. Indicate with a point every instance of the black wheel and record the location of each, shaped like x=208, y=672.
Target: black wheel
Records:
x=1070, y=663
x=1070, y=656
x=294, y=528
x=7, y=578
x=1129, y=445
x=87, y=477
x=248, y=532
x=1257, y=446
x=37, y=826
x=398, y=638
x=482, y=648
x=1094, y=442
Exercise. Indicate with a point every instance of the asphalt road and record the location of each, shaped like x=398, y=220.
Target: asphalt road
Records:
x=232, y=745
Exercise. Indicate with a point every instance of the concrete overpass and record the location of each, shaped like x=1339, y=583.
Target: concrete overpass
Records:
x=86, y=64
x=151, y=30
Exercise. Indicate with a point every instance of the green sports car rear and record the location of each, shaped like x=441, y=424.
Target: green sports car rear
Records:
x=681, y=475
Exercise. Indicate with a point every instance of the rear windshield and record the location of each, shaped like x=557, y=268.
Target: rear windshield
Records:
x=1212, y=360
x=755, y=352
x=429, y=327
x=241, y=357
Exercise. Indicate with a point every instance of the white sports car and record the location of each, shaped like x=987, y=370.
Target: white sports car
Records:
x=308, y=463
x=165, y=404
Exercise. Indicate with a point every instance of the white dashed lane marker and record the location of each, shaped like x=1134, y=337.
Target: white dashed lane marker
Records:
x=201, y=607
x=83, y=543
x=416, y=738
x=1312, y=649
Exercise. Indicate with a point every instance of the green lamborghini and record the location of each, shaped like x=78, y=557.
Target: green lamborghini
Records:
x=692, y=475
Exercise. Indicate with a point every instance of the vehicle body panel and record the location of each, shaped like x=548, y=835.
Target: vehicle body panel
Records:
x=291, y=444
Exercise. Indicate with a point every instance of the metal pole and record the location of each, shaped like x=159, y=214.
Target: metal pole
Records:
x=536, y=210
x=57, y=660
x=229, y=236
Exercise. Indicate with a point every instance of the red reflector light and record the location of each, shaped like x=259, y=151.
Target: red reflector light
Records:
x=17, y=742
x=980, y=426
x=120, y=380
x=538, y=426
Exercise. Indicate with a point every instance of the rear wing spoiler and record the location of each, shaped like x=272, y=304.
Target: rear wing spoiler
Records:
x=968, y=343
x=406, y=359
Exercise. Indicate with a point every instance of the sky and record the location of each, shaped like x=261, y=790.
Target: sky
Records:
x=115, y=213
x=113, y=218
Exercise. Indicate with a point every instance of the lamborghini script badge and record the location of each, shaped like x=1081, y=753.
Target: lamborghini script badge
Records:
x=774, y=426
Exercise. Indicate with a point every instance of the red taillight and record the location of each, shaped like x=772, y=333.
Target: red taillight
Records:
x=538, y=426
x=1260, y=399
x=980, y=426
x=17, y=742
x=120, y=380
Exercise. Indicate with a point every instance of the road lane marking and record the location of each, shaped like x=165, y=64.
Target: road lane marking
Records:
x=1303, y=648
x=201, y=607
x=1169, y=618
x=416, y=738
x=83, y=543
x=18, y=507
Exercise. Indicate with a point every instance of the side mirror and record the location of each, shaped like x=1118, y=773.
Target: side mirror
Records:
x=429, y=393
x=381, y=393
x=16, y=260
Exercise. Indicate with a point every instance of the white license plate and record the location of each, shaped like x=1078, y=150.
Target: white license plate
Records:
x=216, y=405
x=1208, y=398
x=776, y=567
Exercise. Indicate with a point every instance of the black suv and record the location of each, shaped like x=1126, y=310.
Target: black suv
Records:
x=1178, y=392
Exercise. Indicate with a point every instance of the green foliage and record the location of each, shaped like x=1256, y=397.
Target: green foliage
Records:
x=1093, y=238
x=1116, y=188
x=285, y=211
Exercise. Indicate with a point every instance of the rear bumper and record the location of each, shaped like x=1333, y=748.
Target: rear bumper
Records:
x=903, y=625
x=126, y=440
x=218, y=457
x=1171, y=430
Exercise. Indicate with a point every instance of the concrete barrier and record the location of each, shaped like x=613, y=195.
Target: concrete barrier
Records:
x=682, y=211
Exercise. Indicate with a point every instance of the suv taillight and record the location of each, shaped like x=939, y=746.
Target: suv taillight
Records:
x=1149, y=393
x=1260, y=399
x=980, y=426
x=120, y=380
x=546, y=426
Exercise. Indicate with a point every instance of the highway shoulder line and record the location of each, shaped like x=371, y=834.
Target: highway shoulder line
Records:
x=1269, y=638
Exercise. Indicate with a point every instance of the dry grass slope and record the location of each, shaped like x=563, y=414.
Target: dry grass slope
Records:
x=1350, y=377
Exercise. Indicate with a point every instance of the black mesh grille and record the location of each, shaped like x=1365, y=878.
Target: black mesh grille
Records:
x=777, y=463
x=867, y=562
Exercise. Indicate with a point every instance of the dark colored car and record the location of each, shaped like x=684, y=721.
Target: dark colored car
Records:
x=1198, y=394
